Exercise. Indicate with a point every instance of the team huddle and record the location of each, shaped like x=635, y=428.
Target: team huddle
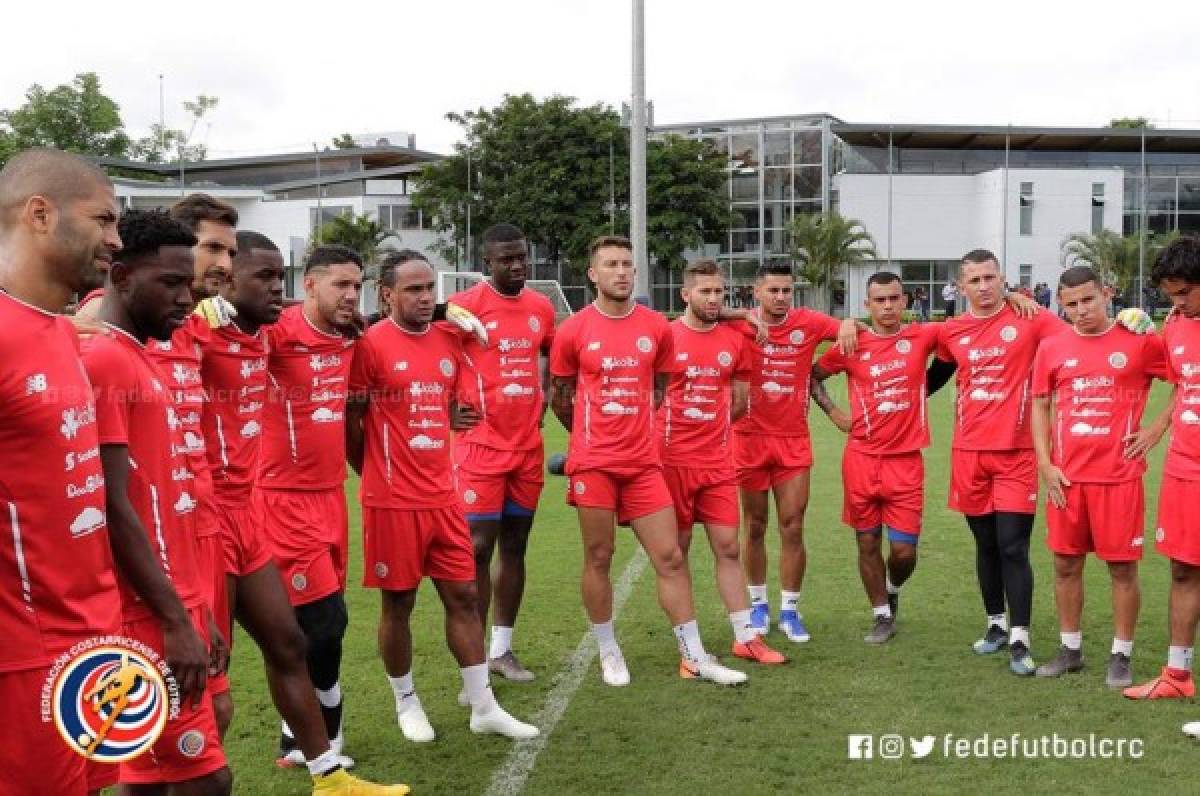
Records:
x=175, y=460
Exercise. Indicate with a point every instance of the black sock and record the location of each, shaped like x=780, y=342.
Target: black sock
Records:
x=1012, y=535
x=333, y=719
x=987, y=562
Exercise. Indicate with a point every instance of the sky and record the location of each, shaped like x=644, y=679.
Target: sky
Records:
x=291, y=75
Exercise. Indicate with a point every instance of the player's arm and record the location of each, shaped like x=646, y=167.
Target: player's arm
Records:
x=938, y=373
x=356, y=414
x=661, y=380
x=184, y=650
x=740, y=399
x=816, y=388
x=761, y=330
x=1051, y=475
x=1142, y=441
x=1021, y=304
x=562, y=399
x=544, y=367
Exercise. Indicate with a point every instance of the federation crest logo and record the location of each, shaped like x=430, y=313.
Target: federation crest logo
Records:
x=903, y=346
x=469, y=497
x=534, y=324
x=1118, y=360
x=299, y=582
x=644, y=345
x=724, y=359
x=191, y=743
x=796, y=337
x=1008, y=334
x=381, y=569
x=109, y=698
x=447, y=368
x=579, y=488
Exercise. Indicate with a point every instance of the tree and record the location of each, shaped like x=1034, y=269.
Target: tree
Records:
x=344, y=141
x=164, y=145
x=74, y=117
x=1114, y=257
x=561, y=172
x=823, y=242
x=363, y=234
x=1131, y=122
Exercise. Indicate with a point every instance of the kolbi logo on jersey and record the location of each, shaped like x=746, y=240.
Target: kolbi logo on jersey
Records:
x=36, y=384
x=252, y=366
x=75, y=419
x=109, y=698
x=1093, y=383
x=977, y=354
x=318, y=363
x=878, y=370
x=506, y=344
x=612, y=363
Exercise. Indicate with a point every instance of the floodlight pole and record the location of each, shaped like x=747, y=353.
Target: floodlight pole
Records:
x=637, y=157
x=1142, y=225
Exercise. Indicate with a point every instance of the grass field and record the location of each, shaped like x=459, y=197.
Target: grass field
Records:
x=787, y=730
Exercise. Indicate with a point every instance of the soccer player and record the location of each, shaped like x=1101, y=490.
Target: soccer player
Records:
x=703, y=398
x=993, y=468
x=772, y=448
x=234, y=371
x=58, y=221
x=609, y=364
x=1177, y=273
x=883, y=470
x=406, y=385
x=149, y=506
x=499, y=461
x=1098, y=376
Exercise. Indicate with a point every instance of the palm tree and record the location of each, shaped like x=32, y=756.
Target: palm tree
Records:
x=1114, y=257
x=824, y=242
x=363, y=234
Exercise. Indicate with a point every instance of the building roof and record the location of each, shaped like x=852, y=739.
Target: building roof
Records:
x=752, y=122
x=950, y=136
x=372, y=158
x=346, y=176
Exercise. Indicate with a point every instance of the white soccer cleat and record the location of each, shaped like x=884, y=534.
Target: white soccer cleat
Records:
x=414, y=723
x=613, y=669
x=1192, y=728
x=712, y=670
x=337, y=745
x=499, y=722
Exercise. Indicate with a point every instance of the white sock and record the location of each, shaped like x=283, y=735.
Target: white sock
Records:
x=688, y=636
x=402, y=688
x=1072, y=641
x=1019, y=634
x=740, y=621
x=479, y=692
x=999, y=620
x=758, y=594
x=331, y=698
x=1180, y=658
x=789, y=600
x=606, y=637
x=891, y=587
x=322, y=764
x=884, y=610
x=1123, y=647
x=501, y=641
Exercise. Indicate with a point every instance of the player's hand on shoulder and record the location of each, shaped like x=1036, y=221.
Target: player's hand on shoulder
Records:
x=1136, y=320
x=847, y=338
x=761, y=330
x=88, y=327
x=216, y=312
x=1021, y=304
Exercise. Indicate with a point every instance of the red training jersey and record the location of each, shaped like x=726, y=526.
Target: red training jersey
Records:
x=409, y=380
x=886, y=378
x=304, y=420
x=1181, y=338
x=782, y=369
x=1100, y=384
x=134, y=408
x=234, y=372
x=694, y=419
x=995, y=364
x=613, y=361
x=511, y=398
x=57, y=583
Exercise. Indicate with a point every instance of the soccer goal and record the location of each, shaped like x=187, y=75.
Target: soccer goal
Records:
x=451, y=282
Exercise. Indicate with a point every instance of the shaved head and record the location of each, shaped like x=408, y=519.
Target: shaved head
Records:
x=60, y=177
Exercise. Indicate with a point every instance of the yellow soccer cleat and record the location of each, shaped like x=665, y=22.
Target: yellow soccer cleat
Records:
x=340, y=783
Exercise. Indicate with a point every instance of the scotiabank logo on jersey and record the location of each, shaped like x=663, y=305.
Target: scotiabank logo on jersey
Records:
x=110, y=698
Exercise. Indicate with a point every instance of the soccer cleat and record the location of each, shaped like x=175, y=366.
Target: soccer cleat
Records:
x=760, y=618
x=1020, y=662
x=508, y=667
x=1120, y=671
x=757, y=650
x=340, y=783
x=792, y=625
x=1067, y=660
x=499, y=722
x=291, y=758
x=710, y=669
x=1165, y=686
x=994, y=640
x=613, y=669
x=413, y=721
x=1192, y=728
x=894, y=603
x=882, y=631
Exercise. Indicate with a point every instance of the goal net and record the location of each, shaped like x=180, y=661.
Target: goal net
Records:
x=451, y=282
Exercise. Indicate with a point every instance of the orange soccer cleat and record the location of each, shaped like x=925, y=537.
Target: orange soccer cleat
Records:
x=1166, y=686
x=757, y=650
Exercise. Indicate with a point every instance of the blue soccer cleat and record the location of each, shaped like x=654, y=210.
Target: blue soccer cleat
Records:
x=994, y=640
x=792, y=625
x=760, y=618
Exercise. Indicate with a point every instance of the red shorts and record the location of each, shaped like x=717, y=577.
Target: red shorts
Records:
x=1107, y=519
x=764, y=462
x=189, y=746
x=401, y=546
x=982, y=482
x=33, y=756
x=246, y=548
x=883, y=490
x=210, y=554
x=702, y=495
x=489, y=479
x=632, y=493
x=1178, y=534
x=308, y=532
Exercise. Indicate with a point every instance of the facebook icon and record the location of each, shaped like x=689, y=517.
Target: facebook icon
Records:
x=860, y=747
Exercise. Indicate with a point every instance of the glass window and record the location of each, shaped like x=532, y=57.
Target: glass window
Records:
x=1160, y=222
x=1097, y=216
x=779, y=149
x=807, y=146
x=745, y=185
x=1026, y=189
x=776, y=214
x=328, y=213
x=1160, y=195
x=744, y=217
x=1026, y=275
x=1189, y=194
x=778, y=184
x=1098, y=190
x=807, y=182
x=744, y=240
x=744, y=151
x=1189, y=223
x=1026, y=218
x=914, y=273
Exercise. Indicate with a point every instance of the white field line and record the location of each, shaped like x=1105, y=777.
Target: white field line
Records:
x=510, y=778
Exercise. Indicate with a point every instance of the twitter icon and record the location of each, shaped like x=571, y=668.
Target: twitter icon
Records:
x=921, y=747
